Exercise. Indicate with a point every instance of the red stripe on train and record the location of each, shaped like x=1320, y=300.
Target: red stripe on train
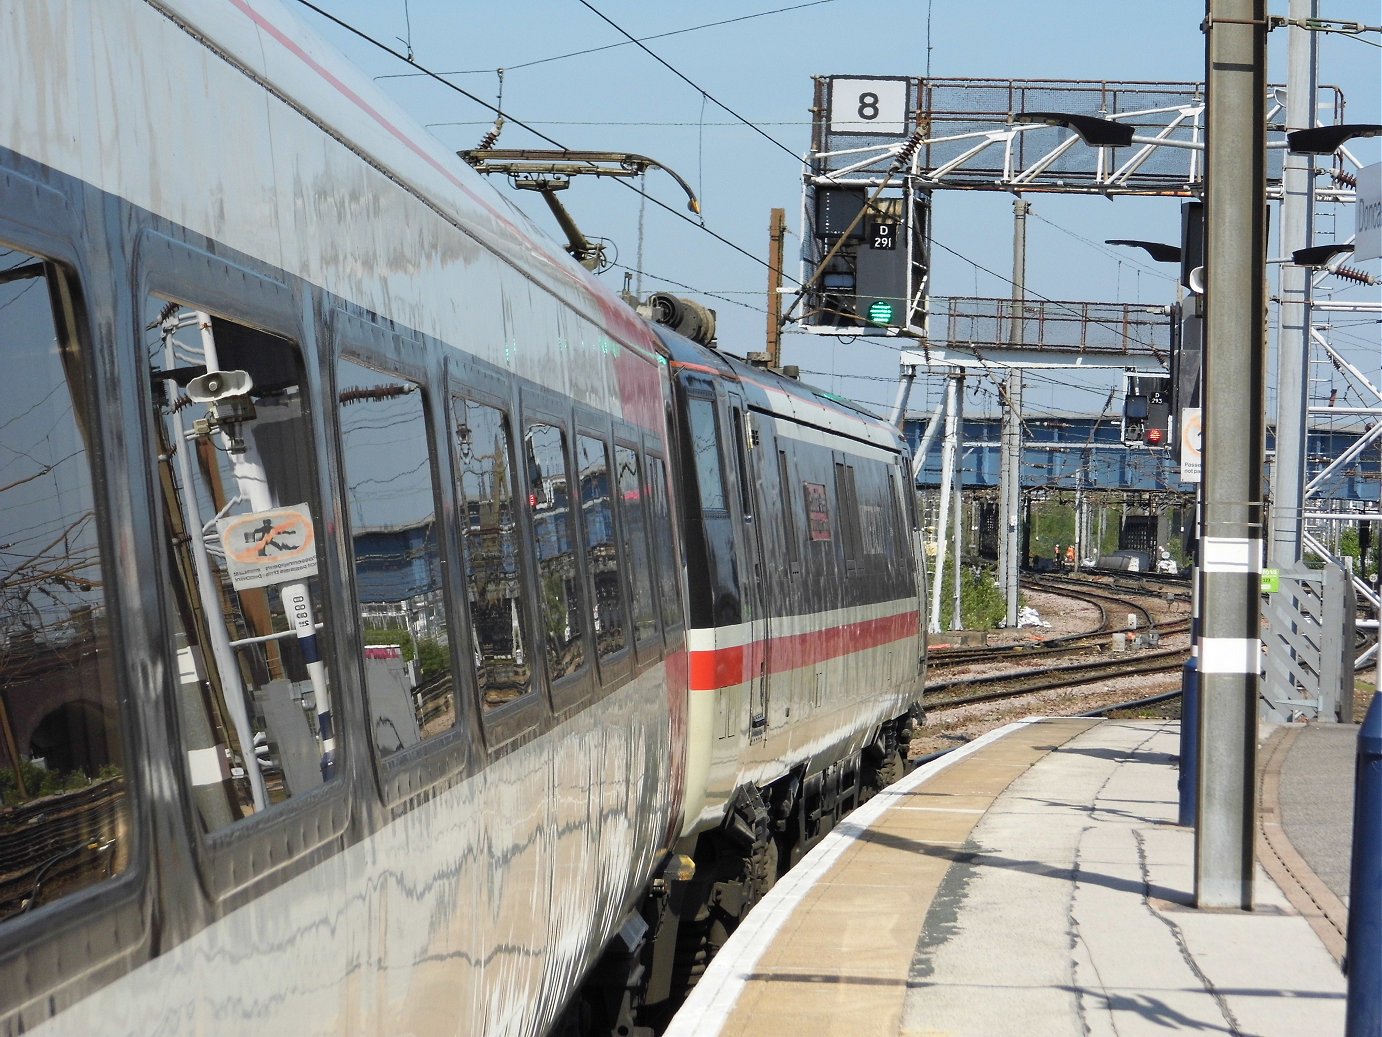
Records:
x=725, y=667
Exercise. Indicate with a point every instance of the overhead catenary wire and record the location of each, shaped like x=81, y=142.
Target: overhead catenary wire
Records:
x=622, y=43
x=531, y=129
x=722, y=297
x=421, y=70
x=685, y=79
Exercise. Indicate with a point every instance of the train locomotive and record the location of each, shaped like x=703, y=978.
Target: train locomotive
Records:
x=398, y=633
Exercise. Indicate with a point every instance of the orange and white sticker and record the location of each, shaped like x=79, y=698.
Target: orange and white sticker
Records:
x=264, y=548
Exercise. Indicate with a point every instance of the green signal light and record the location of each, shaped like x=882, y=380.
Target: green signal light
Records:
x=881, y=311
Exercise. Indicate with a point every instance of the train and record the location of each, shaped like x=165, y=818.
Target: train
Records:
x=398, y=632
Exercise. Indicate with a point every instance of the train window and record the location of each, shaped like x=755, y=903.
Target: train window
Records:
x=667, y=565
x=601, y=554
x=789, y=522
x=876, y=519
x=239, y=498
x=391, y=502
x=485, y=469
x=549, y=499
x=847, y=501
x=64, y=804
x=741, y=447
x=909, y=495
x=631, y=509
x=908, y=523
x=705, y=447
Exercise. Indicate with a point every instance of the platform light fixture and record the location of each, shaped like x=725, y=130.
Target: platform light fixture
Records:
x=1319, y=256
x=1158, y=250
x=1097, y=133
x=1325, y=140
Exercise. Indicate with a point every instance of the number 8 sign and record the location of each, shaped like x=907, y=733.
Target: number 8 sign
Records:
x=869, y=106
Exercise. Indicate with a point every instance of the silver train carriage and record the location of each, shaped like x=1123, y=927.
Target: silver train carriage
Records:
x=806, y=651
x=348, y=680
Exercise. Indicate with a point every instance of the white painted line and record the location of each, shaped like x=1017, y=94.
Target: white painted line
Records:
x=205, y=766
x=1231, y=555
x=1230, y=655
x=712, y=1000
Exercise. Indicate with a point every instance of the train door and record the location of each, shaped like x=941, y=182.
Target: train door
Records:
x=753, y=571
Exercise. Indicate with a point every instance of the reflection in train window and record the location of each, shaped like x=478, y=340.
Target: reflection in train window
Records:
x=233, y=443
x=877, y=519
x=601, y=554
x=391, y=503
x=705, y=444
x=64, y=806
x=847, y=501
x=667, y=565
x=631, y=510
x=484, y=466
x=897, y=495
x=789, y=521
x=549, y=498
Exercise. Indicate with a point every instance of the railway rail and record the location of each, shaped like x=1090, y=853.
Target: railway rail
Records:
x=1113, y=599
x=1010, y=684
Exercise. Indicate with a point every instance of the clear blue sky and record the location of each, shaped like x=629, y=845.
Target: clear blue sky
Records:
x=622, y=98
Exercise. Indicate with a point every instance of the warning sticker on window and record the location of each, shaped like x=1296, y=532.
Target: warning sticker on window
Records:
x=269, y=547
x=817, y=511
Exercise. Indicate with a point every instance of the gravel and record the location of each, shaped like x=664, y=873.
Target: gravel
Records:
x=952, y=727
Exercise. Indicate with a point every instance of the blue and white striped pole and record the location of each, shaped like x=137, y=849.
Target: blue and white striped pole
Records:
x=297, y=606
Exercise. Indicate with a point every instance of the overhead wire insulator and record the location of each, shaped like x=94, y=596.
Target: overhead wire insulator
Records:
x=487, y=141
x=1349, y=273
x=904, y=156
x=163, y=315
x=1341, y=176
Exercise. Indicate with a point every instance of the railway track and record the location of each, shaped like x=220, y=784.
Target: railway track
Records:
x=1027, y=668
x=1010, y=684
x=1111, y=599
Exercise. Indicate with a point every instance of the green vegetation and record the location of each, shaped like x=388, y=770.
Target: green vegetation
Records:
x=433, y=658
x=40, y=781
x=1349, y=547
x=432, y=655
x=981, y=602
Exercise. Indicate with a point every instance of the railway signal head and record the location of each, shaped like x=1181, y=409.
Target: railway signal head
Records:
x=1156, y=430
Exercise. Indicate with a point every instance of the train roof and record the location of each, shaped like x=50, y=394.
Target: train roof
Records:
x=787, y=397
x=271, y=43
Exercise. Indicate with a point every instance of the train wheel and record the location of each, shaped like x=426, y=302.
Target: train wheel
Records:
x=883, y=763
x=890, y=771
x=738, y=877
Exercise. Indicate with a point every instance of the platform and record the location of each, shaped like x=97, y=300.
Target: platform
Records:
x=1035, y=882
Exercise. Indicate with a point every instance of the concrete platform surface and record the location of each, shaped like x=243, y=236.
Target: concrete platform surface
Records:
x=1317, y=798
x=1033, y=882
